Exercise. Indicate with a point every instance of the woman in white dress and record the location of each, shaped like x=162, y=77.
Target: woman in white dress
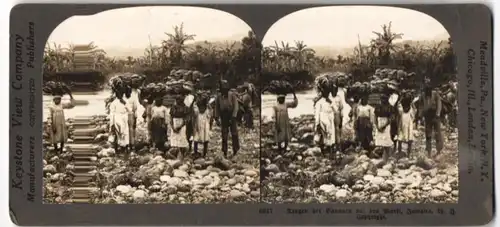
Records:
x=324, y=121
x=119, y=122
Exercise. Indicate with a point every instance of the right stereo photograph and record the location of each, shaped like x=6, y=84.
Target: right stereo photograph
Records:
x=359, y=105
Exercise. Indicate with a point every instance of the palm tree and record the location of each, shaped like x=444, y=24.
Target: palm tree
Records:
x=302, y=53
x=383, y=44
x=176, y=43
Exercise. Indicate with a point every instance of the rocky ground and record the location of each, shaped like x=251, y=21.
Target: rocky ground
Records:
x=150, y=176
x=305, y=175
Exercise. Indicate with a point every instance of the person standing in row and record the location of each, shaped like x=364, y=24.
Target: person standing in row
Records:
x=431, y=112
x=159, y=124
x=226, y=114
x=383, y=118
x=364, y=117
x=189, y=102
x=338, y=108
x=203, y=122
x=178, y=118
x=324, y=116
x=132, y=105
x=58, y=130
x=406, y=124
x=353, y=115
x=147, y=115
x=283, y=131
x=119, y=121
x=247, y=108
x=394, y=99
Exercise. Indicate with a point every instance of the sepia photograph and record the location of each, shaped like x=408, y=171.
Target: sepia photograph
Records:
x=151, y=105
x=359, y=105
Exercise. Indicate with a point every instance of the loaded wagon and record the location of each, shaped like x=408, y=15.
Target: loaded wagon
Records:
x=83, y=77
x=89, y=81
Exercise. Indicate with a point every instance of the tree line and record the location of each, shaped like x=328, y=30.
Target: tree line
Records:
x=237, y=61
x=248, y=61
x=299, y=63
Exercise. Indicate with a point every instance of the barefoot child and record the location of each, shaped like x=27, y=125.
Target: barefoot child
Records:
x=406, y=124
x=203, y=122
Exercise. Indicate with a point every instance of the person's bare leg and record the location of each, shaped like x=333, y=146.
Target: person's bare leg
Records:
x=385, y=154
x=205, y=149
x=410, y=143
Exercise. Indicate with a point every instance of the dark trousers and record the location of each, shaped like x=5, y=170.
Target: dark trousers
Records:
x=228, y=125
x=433, y=125
x=158, y=133
x=364, y=132
x=248, y=116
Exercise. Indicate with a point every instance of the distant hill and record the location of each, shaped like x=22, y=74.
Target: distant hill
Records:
x=327, y=51
x=124, y=52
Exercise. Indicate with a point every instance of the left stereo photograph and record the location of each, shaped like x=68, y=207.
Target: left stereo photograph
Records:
x=151, y=105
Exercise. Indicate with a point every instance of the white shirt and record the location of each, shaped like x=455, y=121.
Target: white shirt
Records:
x=188, y=100
x=212, y=100
x=393, y=99
x=133, y=102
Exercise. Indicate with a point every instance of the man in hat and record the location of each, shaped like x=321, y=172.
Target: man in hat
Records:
x=57, y=122
x=226, y=113
x=431, y=112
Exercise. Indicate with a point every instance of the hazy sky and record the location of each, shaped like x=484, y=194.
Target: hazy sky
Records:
x=339, y=26
x=130, y=27
x=334, y=26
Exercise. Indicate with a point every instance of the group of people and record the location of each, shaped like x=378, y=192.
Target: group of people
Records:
x=186, y=124
x=386, y=125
